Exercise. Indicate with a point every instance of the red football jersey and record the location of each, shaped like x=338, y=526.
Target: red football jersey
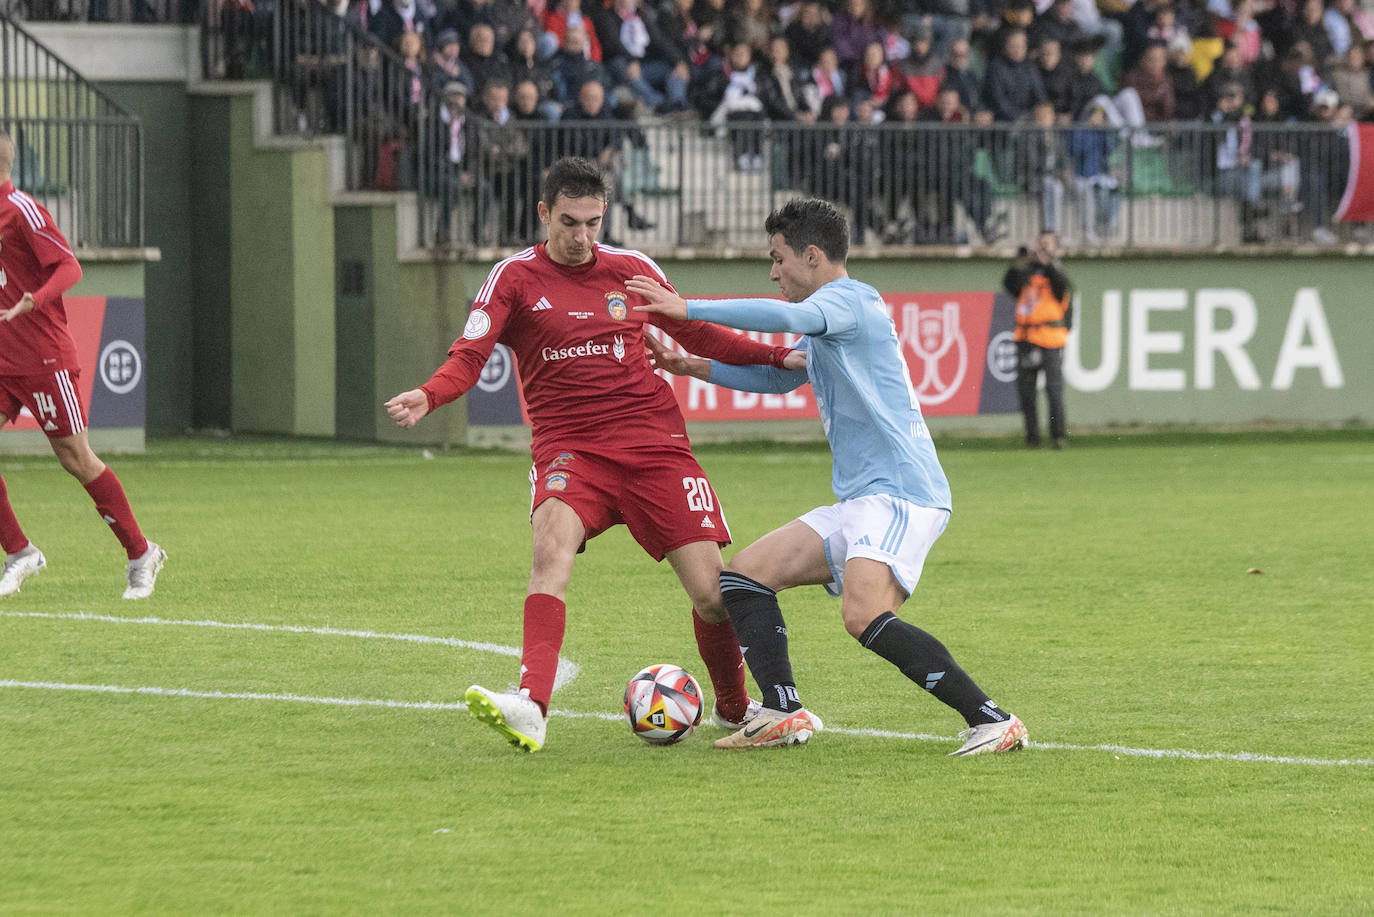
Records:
x=579, y=346
x=34, y=258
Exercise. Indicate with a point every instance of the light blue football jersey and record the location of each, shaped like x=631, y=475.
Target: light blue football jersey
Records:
x=878, y=439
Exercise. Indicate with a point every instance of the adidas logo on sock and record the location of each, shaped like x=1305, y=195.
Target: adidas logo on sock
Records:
x=933, y=679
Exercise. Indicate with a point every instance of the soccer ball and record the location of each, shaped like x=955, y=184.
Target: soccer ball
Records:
x=663, y=704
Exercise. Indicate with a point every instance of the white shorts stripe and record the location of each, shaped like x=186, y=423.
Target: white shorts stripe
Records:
x=878, y=527
x=69, y=399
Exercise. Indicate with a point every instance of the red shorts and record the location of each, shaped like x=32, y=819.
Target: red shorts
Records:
x=53, y=399
x=661, y=494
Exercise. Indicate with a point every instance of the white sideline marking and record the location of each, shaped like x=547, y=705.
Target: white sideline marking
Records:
x=1244, y=756
x=567, y=671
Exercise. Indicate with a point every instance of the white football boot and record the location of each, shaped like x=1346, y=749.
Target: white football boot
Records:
x=512, y=714
x=751, y=711
x=773, y=728
x=993, y=738
x=142, y=572
x=19, y=566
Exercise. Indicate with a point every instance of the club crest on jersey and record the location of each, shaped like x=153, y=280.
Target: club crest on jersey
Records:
x=557, y=481
x=615, y=305
x=561, y=459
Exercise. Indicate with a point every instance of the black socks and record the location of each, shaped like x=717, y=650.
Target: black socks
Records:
x=925, y=661
x=754, y=611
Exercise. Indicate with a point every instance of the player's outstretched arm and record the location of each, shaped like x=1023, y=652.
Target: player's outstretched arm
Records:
x=25, y=304
x=408, y=407
x=670, y=361
x=657, y=297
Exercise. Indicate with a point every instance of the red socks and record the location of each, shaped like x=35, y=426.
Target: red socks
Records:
x=719, y=648
x=11, y=535
x=545, y=621
x=113, y=507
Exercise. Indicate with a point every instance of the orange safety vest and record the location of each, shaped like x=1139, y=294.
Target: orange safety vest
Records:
x=1042, y=319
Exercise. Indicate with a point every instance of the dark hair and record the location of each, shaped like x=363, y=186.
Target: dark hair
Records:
x=574, y=177
x=811, y=222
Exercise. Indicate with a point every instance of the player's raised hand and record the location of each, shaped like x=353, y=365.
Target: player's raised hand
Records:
x=657, y=297
x=408, y=407
x=25, y=304
x=670, y=361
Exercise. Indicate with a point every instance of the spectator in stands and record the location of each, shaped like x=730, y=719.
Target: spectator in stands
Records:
x=452, y=132
x=1147, y=96
x=1090, y=18
x=959, y=73
x=504, y=156
x=1055, y=24
x=1189, y=100
x=1056, y=74
x=949, y=178
x=637, y=55
x=1085, y=86
x=1294, y=78
x=1241, y=29
x=750, y=21
x=873, y=75
x=1090, y=147
x=680, y=30
x=924, y=69
x=852, y=29
x=786, y=90
x=1017, y=15
x=1236, y=173
x=1012, y=87
x=482, y=57
x=712, y=25
x=568, y=13
x=1352, y=81
x=1311, y=28
x=393, y=19
x=525, y=64
x=1347, y=24
x=728, y=97
x=1047, y=165
x=1166, y=26
x=1324, y=174
x=410, y=90
x=1136, y=23
x=503, y=18
x=572, y=67
x=1230, y=68
x=827, y=76
x=446, y=63
x=808, y=33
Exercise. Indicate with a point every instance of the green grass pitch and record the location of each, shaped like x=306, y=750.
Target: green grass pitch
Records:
x=1201, y=734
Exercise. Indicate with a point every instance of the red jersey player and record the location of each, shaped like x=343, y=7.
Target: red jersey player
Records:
x=39, y=371
x=609, y=442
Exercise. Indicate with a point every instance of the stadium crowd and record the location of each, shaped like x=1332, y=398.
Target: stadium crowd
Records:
x=1061, y=71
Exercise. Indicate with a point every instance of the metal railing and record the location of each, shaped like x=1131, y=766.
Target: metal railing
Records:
x=708, y=187
x=1163, y=187
x=77, y=151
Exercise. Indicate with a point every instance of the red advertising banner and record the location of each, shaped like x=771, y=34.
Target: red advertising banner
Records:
x=944, y=338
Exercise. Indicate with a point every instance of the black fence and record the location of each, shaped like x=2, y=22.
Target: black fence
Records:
x=76, y=151
x=166, y=11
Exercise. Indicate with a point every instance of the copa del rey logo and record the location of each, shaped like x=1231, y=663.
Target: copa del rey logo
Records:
x=936, y=350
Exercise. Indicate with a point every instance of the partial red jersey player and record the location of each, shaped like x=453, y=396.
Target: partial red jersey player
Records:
x=609, y=441
x=39, y=371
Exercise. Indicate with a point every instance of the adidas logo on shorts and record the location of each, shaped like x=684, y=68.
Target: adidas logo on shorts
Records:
x=706, y=522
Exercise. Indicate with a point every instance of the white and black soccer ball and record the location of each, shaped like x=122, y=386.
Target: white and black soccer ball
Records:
x=663, y=704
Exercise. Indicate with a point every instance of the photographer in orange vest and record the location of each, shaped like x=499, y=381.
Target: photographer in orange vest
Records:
x=1044, y=315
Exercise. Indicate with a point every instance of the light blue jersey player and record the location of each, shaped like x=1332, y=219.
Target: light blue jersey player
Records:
x=894, y=499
